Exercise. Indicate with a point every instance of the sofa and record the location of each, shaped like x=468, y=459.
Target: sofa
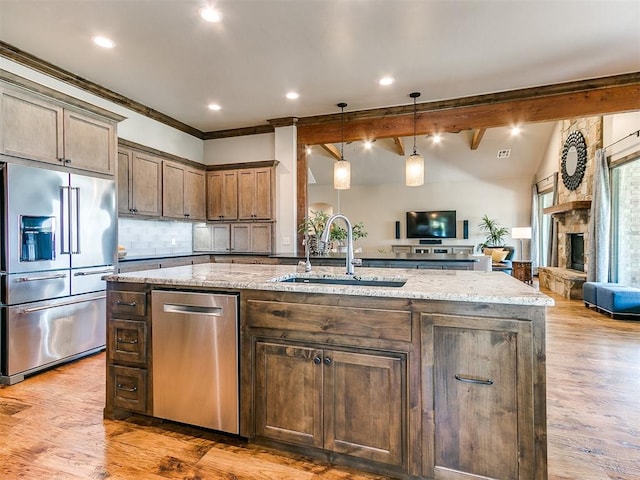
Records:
x=501, y=258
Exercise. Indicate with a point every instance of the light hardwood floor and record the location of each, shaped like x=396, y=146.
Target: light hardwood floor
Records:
x=51, y=425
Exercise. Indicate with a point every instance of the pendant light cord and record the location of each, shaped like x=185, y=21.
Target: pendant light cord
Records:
x=342, y=105
x=414, y=95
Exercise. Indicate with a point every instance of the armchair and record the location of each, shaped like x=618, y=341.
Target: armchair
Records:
x=500, y=262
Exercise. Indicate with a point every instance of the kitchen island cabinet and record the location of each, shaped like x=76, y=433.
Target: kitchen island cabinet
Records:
x=426, y=380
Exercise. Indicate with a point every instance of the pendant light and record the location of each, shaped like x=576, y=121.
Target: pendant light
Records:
x=342, y=168
x=414, y=166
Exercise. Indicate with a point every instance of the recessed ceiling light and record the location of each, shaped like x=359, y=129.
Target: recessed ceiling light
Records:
x=368, y=144
x=210, y=15
x=293, y=95
x=436, y=138
x=515, y=130
x=214, y=106
x=384, y=81
x=103, y=42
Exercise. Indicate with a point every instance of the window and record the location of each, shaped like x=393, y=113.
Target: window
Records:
x=625, y=226
x=544, y=224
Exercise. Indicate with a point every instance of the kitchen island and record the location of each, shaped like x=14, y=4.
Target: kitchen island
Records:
x=411, y=373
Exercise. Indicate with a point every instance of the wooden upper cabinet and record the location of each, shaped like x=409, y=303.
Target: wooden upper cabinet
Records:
x=222, y=195
x=183, y=191
x=255, y=201
x=125, y=202
x=195, y=193
x=31, y=127
x=139, y=183
x=172, y=190
x=89, y=143
x=36, y=128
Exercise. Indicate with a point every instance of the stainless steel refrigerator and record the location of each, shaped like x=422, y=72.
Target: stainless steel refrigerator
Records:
x=59, y=237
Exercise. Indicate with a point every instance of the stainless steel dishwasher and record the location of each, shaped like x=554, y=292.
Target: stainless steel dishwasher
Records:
x=195, y=358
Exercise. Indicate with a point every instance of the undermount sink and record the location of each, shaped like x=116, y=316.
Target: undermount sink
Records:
x=351, y=280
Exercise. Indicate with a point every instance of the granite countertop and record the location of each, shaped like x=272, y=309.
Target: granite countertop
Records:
x=450, y=285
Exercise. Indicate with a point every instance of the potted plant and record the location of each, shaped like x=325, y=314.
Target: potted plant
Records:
x=494, y=231
x=314, y=224
x=339, y=234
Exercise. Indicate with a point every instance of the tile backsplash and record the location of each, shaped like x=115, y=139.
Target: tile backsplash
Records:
x=154, y=237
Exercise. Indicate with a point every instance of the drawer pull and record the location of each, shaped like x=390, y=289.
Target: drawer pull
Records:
x=130, y=342
x=477, y=381
x=125, y=304
x=127, y=389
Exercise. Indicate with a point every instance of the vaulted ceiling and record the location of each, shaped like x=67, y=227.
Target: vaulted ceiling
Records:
x=167, y=59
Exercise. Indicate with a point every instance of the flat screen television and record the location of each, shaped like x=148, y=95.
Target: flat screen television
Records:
x=435, y=224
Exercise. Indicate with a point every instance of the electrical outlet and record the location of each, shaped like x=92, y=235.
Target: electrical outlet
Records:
x=286, y=241
x=173, y=242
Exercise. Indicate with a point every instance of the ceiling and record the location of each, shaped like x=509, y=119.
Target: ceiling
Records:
x=328, y=51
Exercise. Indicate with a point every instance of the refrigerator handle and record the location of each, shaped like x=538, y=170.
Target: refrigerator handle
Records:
x=74, y=220
x=64, y=220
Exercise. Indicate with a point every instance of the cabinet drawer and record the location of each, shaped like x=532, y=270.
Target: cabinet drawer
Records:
x=371, y=323
x=127, y=341
x=129, y=388
x=127, y=303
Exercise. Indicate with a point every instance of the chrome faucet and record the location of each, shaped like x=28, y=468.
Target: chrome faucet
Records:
x=324, y=239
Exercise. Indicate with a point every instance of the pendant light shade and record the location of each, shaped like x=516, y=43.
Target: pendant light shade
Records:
x=414, y=165
x=342, y=175
x=414, y=170
x=342, y=168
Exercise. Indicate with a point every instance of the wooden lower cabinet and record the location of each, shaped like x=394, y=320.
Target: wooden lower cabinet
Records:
x=478, y=372
x=339, y=400
x=128, y=352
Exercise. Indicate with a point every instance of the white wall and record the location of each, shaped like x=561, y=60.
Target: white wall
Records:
x=249, y=148
x=136, y=128
x=551, y=160
x=617, y=127
x=506, y=200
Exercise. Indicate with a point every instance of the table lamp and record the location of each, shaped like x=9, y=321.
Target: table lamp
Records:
x=520, y=233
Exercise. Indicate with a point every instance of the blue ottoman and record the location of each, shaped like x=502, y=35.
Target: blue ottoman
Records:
x=619, y=301
x=590, y=292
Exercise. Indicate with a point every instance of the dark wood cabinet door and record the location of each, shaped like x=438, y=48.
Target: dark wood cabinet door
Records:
x=479, y=373
x=194, y=194
x=289, y=393
x=222, y=195
x=146, y=184
x=173, y=190
x=125, y=202
x=364, y=399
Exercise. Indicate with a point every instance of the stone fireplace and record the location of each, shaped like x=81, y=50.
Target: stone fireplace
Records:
x=575, y=257
x=571, y=217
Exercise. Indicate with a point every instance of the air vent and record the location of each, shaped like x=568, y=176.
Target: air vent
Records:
x=504, y=153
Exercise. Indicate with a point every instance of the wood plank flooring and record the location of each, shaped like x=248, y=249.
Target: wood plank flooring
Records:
x=51, y=425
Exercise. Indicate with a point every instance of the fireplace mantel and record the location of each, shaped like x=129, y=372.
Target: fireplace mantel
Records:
x=567, y=207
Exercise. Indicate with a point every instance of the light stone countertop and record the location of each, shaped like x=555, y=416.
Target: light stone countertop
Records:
x=450, y=285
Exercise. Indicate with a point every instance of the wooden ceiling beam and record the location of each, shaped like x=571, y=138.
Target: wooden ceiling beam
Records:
x=397, y=141
x=331, y=150
x=476, y=137
x=434, y=117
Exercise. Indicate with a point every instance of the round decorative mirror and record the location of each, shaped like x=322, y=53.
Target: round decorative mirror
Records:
x=574, y=160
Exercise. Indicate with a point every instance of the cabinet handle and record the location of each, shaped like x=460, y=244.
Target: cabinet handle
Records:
x=130, y=342
x=126, y=304
x=127, y=389
x=327, y=361
x=317, y=360
x=477, y=381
